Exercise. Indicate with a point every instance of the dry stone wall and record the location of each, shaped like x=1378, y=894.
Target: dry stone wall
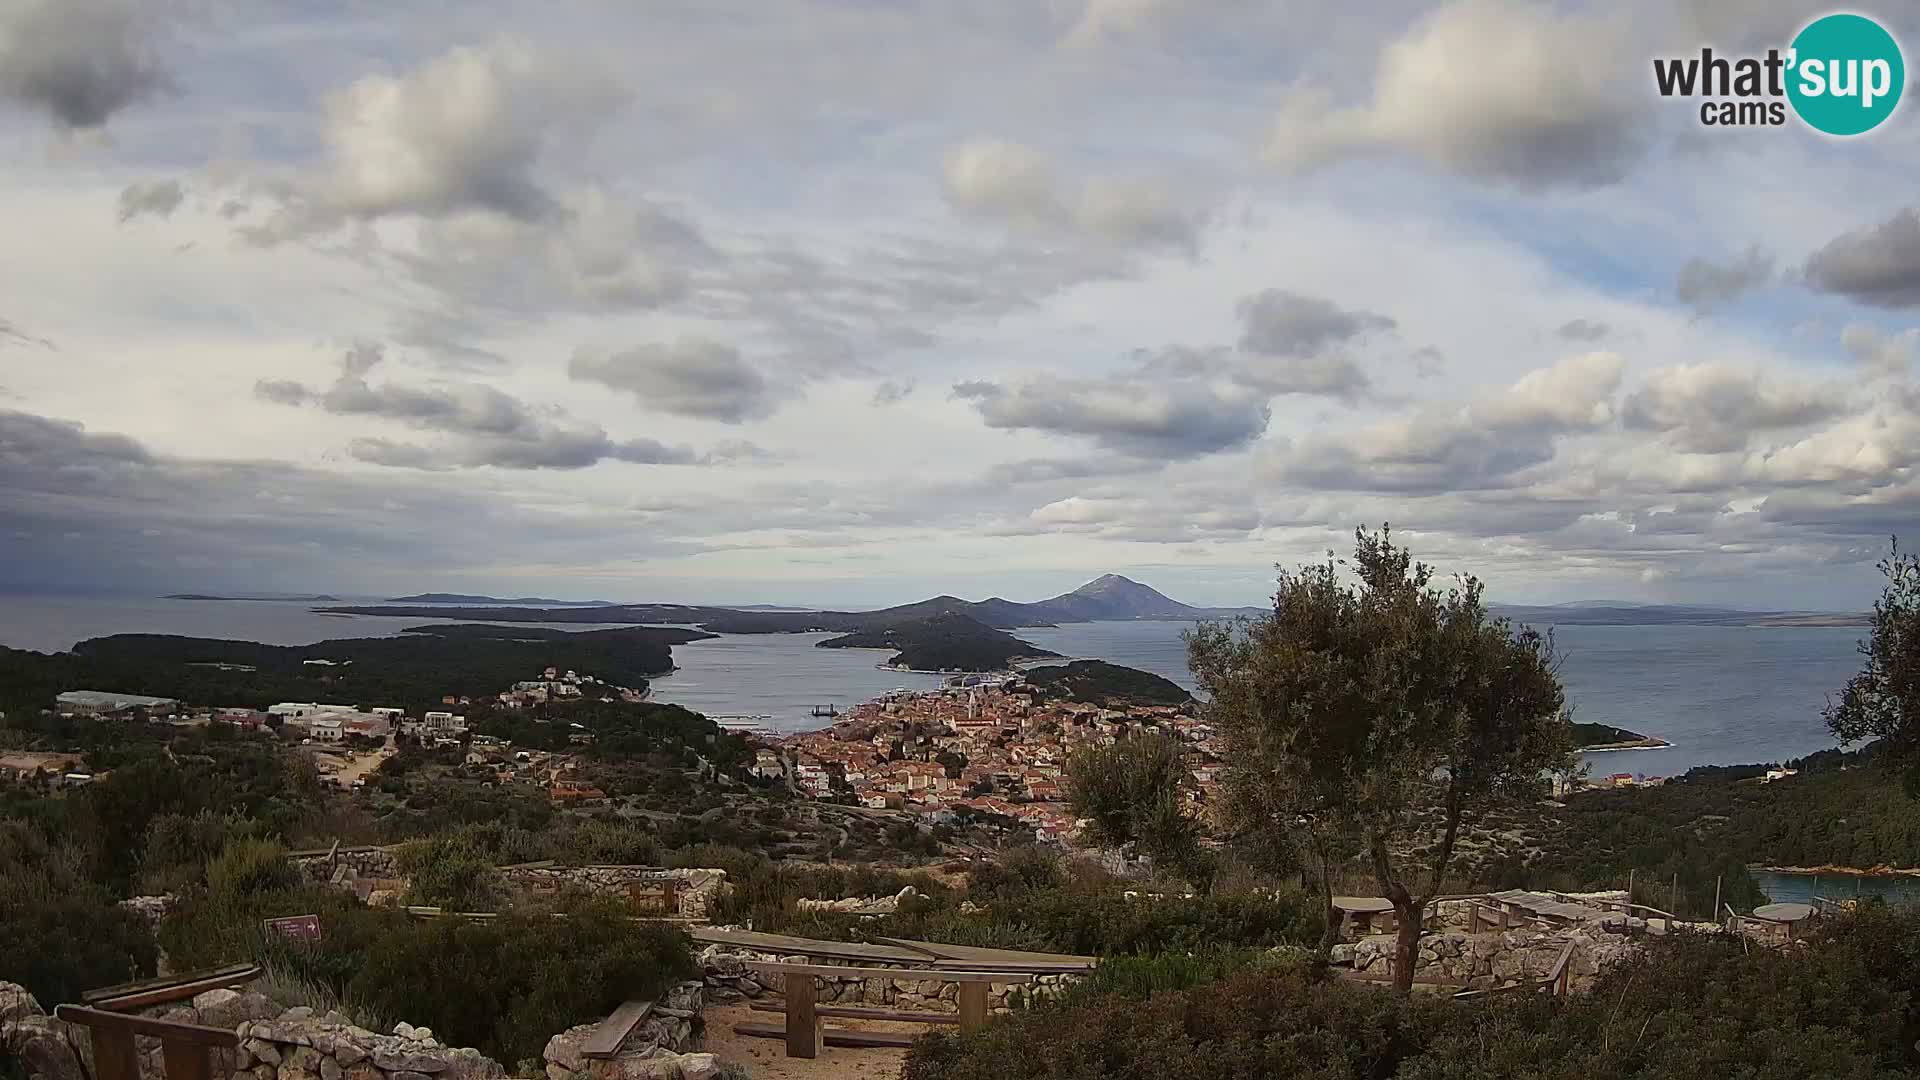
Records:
x=727, y=978
x=379, y=866
x=663, y=1047
x=1496, y=959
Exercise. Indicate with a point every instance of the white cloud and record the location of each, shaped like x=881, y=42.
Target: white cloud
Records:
x=1491, y=89
x=1015, y=184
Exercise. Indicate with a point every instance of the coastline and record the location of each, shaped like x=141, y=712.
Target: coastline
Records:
x=1844, y=871
x=1648, y=743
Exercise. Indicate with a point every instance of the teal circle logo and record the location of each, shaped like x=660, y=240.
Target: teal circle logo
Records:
x=1845, y=74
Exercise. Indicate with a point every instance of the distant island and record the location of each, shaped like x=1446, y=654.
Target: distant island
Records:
x=1620, y=613
x=320, y=598
x=467, y=598
x=945, y=642
x=1097, y=682
x=1604, y=737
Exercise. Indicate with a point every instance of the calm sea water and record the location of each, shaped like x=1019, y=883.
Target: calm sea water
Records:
x=1721, y=695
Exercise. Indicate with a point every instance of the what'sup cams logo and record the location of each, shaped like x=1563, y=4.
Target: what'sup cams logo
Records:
x=1843, y=75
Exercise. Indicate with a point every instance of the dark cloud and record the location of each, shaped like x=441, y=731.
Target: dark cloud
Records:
x=99, y=511
x=461, y=408
x=80, y=61
x=1155, y=421
x=549, y=448
x=1282, y=323
x=159, y=198
x=1705, y=284
x=691, y=377
x=1877, y=266
x=1583, y=330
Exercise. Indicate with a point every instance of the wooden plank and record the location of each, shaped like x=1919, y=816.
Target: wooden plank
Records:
x=102, y=1021
x=857, y=1012
x=185, y=1060
x=240, y=970
x=973, y=1006
x=604, y=1041
x=1026, y=967
x=988, y=958
x=803, y=1023
x=128, y=1001
x=114, y=1057
x=774, y=967
x=845, y=1037
x=798, y=946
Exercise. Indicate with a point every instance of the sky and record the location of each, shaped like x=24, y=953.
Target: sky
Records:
x=854, y=302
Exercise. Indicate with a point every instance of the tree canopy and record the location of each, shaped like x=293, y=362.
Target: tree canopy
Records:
x=1371, y=698
x=1132, y=794
x=1883, y=700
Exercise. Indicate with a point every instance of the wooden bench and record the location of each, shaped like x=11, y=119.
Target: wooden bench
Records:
x=803, y=1031
x=603, y=1042
x=126, y=997
x=861, y=1012
x=186, y=1050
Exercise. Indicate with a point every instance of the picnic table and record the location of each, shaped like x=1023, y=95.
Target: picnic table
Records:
x=1786, y=916
x=1362, y=910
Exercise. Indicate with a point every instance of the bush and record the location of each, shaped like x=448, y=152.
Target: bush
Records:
x=1689, y=1006
x=249, y=867
x=452, y=872
x=509, y=984
x=60, y=934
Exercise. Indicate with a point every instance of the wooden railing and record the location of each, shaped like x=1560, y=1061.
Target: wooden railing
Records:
x=185, y=1049
x=1558, y=980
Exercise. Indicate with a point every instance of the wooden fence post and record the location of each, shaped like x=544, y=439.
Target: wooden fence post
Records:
x=803, y=1024
x=973, y=1006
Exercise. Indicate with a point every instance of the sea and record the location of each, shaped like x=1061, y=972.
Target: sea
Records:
x=1720, y=695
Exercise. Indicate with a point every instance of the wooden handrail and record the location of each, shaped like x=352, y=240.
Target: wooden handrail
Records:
x=102, y=1020
x=138, y=995
x=774, y=967
x=186, y=1050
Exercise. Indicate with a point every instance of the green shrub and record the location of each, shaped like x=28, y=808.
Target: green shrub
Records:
x=452, y=872
x=249, y=867
x=509, y=984
x=1138, y=978
x=61, y=934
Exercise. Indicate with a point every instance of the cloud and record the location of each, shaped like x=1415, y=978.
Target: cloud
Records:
x=1583, y=330
x=1877, y=266
x=13, y=334
x=465, y=131
x=80, y=61
x=892, y=392
x=545, y=448
x=491, y=427
x=157, y=197
x=1575, y=393
x=1435, y=448
x=694, y=377
x=1712, y=408
x=1706, y=285
x=1545, y=100
x=1015, y=185
x=1282, y=323
x=1881, y=355
x=1154, y=421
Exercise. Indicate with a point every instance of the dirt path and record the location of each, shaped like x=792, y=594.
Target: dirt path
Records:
x=766, y=1059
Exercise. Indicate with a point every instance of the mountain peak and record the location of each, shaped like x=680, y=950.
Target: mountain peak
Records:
x=1111, y=596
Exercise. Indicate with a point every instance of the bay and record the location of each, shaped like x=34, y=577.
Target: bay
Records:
x=1721, y=695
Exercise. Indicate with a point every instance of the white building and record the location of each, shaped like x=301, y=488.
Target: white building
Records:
x=443, y=722
x=326, y=730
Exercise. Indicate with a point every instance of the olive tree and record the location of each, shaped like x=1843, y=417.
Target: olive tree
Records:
x=1883, y=700
x=1133, y=796
x=1369, y=704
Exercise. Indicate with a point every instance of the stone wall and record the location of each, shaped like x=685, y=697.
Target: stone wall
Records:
x=727, y=979
x=1496, y=959
x=380, y=865
x=663, y=1046
x=275, y=1044
x=699, y=887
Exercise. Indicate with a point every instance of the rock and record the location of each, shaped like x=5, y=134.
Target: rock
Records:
x=348, y=1052
x=264, y=1051
x=242, y=1057
x=298, y=1012
x=303, y=1059
x=701, y=1066
x=16, y=1003
x=403, y=1029
x=264, y=1071
x=558, y=1072
x=330, y=1069
x=424, y=1034
x=393, y=1061
x=564, y=1049
x=285, y=1073
x=406, y=1074
x=34, y=1040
